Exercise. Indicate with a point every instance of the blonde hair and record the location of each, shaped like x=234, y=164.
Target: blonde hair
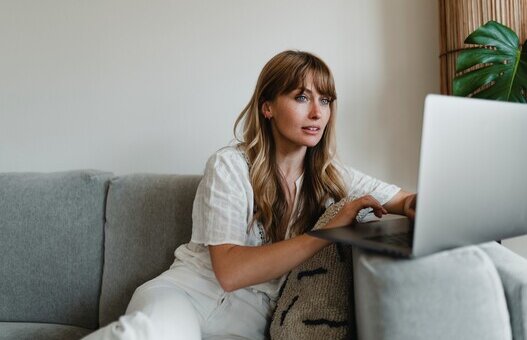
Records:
x=282, y=74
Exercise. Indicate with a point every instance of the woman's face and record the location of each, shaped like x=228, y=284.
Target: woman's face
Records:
x=299, y=117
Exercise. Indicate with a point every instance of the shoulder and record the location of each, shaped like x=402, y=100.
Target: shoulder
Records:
x=346, y=172
x=228, y=163
x=228, y=156
x=355, y=179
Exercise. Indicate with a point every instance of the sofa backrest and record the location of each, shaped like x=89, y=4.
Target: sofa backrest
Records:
x=51, y=246
x=147, y=217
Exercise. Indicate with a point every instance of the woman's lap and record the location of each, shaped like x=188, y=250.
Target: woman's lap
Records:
x=244, y=314
x=236, y=315
x=181, y=304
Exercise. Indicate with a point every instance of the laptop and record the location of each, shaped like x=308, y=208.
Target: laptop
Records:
x=472, y=183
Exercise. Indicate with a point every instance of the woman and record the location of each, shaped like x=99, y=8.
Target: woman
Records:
x=252, y=207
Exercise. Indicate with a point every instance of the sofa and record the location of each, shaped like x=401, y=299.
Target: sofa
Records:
x=75, y=245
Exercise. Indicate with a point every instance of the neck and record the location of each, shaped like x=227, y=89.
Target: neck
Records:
x=290, y=161
x=289, y=156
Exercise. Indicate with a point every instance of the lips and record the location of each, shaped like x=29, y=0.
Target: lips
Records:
x=311, y=130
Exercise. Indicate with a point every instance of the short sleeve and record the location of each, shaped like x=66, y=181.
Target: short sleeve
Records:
x=360, y=184
x=220, y=210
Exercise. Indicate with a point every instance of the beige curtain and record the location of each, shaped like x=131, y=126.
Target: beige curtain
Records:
x=458, y=18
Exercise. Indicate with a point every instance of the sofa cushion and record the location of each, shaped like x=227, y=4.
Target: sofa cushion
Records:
x=513, y=273
x=40, y=331
x=454, y=294
x=148, y=216
x=51, y=246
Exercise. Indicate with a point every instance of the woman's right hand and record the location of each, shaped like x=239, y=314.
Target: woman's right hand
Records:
x=349, y=211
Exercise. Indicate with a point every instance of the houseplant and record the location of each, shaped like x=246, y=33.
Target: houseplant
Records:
x=495, y=68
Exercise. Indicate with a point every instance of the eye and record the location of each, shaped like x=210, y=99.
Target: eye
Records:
x=325, y=101
x=301, y=98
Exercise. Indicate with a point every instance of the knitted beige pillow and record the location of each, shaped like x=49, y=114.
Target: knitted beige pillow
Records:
x=316, y=299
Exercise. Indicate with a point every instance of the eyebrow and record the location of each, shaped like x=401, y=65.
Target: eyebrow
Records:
x=308, y=91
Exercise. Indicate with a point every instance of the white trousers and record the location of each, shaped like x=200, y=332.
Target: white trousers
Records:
x=181, y=304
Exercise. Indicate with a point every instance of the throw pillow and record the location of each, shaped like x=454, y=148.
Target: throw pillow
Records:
x=316, y=300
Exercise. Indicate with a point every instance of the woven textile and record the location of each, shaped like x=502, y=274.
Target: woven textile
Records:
x=316, y=300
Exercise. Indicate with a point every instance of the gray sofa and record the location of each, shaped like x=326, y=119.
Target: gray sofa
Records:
x=74, y=246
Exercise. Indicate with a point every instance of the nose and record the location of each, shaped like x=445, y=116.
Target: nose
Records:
x=315, y=112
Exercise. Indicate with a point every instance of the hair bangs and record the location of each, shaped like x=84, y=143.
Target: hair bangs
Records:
x=320, y=75
x=323, y=82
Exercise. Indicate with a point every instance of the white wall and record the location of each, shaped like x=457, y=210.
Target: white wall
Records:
x=155, y=86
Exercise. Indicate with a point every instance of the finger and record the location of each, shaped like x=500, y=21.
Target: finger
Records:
x=371, y=202
x=411, y=214
x=379, y=212
x=377, y=209
x=413, y=201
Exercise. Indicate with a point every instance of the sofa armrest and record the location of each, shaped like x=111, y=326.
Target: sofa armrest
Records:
x=455, y=294
x=512, y=269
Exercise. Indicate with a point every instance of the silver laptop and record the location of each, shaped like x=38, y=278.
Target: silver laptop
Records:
x=472, y=184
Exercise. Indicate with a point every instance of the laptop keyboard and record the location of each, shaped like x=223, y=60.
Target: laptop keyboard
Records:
x=399, y=239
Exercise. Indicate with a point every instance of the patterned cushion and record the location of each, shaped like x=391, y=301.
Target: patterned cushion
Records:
x=316, y=299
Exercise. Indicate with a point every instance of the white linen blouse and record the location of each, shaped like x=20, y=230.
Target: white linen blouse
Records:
x=224, y=207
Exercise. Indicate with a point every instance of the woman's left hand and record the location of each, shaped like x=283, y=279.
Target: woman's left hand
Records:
x=409, y=206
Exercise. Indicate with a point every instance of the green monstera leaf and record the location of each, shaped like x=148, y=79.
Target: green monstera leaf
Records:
x=504, y=74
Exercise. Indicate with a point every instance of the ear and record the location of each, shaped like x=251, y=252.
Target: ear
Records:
x=266, y=110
